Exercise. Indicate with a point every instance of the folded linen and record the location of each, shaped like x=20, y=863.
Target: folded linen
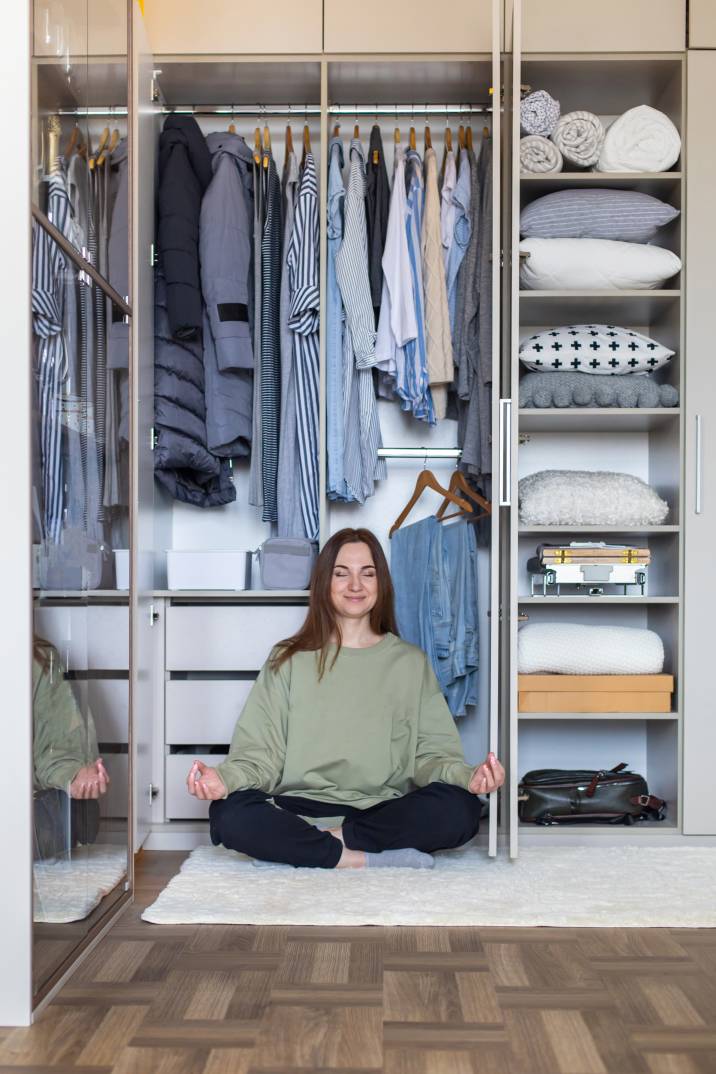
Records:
x=642, y=140
x=574, y=388
x=539, y=113
x=539, y=155
x=586, y=264
x=579, y=136
x=588, y=649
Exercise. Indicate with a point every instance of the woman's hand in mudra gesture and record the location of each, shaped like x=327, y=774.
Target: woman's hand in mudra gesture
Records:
x=205, y=782
x=487, y=777
x=91, y=781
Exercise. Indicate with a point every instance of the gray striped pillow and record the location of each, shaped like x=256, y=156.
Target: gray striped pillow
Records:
x=625, y=215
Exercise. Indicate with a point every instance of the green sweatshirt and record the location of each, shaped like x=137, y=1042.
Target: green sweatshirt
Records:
x=375, y=727
x=63, y=739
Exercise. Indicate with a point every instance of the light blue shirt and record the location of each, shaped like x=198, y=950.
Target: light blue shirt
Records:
x=416, y=363
x=462, y=232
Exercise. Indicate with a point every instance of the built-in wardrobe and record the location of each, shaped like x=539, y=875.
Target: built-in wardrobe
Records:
x=168, y=670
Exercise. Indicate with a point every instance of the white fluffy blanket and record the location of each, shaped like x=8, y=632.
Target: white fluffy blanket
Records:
x=642, y=140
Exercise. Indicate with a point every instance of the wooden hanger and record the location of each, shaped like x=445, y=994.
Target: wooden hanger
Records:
x=307, y=141
x=459, y=483
x=289, y=139
x=427, y=480
x=104, y=138
x=109, y=149
x=257, y=145
x=267, y=145
x=356, y=131
x=232, y=128
x=54, y=130
x=72, y=141
x=461, y=136
x=396, y=135
x=448, y=140
x=468, y=137
x=428, y=137
x=336, y=130
x=485, y=132
x=411, y=138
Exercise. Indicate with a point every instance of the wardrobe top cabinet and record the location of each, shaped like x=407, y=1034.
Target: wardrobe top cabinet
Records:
x=601, y=25
x=234, y=27
x=422, y=26
x=702, y=24
x=80, y=28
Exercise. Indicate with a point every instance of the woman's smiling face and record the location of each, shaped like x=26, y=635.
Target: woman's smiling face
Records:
x=354, y=585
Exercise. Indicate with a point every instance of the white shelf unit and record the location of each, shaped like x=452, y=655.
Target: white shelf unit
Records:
x=647, y=443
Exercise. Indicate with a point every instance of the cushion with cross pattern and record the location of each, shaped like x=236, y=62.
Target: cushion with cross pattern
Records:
x=593, y=348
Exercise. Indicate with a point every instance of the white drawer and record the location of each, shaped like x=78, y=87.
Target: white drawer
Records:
x=204, y=712
x=115, y=802
x=178, y=803
x=95, y=637
x=108, y=701
x=227, y=637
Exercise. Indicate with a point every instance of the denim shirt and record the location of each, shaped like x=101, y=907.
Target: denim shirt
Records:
x=416, y=364
x=335, y=327
x=462, y=229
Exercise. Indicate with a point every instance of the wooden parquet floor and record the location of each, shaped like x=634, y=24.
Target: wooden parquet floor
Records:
x=155, y=999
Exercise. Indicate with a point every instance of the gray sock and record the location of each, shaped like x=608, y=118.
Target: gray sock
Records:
x=273, y=864
x=407, y=858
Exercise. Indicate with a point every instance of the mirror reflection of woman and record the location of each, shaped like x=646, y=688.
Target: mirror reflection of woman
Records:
x=347, y=733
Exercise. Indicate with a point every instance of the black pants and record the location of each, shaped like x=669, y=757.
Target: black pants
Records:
x=436, y=817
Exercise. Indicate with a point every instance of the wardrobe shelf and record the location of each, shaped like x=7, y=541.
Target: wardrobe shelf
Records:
x=647, y=828
x=627, y=307
x=659, y=716
x=234, y=595
x=646, y=530
x=96, y=596
x=627, y=180
x=595, y=419
x=607, y=599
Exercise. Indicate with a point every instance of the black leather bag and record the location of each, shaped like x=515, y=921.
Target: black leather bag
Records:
x=617, y=796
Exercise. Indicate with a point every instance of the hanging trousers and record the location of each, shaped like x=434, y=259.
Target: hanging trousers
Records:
x=437, y=817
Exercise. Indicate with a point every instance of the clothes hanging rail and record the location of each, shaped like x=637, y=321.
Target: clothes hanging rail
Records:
x=297, y=110
x=419, y=453
x=409, y=109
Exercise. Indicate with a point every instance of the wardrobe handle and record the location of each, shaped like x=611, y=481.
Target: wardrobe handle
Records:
x=505, y=452
x=699, y=474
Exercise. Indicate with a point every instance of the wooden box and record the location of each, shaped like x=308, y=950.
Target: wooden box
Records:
x=595, y=693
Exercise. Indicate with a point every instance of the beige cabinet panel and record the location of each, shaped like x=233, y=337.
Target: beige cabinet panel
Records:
x=702, y=24
x=228, y=26
x=422, y=26
x=80, y=28
x=606, y=26
x=700, y=451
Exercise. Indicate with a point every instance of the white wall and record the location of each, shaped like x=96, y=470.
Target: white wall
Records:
x=15, y=634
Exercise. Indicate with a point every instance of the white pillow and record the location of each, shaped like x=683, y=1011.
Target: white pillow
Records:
x=586, y=264
x=593, y=348
x=588, y=498
x=579, y=649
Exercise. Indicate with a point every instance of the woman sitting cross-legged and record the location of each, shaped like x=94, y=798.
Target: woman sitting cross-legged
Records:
x=346, y=725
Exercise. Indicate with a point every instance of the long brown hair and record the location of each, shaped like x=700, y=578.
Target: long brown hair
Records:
x=322, y=621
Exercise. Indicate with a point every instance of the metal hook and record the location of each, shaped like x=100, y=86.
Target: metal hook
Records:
x=425, y=460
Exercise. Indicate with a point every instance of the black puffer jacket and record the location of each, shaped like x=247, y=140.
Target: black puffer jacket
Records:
x=182, y=463
x=184, y=174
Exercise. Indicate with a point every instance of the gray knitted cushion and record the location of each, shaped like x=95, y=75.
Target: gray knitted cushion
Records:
x=569, y=389
x=625, y=215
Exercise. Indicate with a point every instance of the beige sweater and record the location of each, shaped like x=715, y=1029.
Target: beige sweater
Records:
x=438, y=342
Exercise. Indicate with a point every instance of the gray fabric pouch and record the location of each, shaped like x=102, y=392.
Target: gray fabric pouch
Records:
x=286, y=562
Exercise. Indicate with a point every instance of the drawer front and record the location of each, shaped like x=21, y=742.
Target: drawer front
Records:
x=108, y=701
x=227, y=638
x=225, y=26
x=424, y=26
x=94, y=637
x=178, y=803
x=609, y=26
x=204, y=712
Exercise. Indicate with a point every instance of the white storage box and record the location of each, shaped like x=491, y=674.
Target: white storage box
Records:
x=121, y=568
x=208, y=570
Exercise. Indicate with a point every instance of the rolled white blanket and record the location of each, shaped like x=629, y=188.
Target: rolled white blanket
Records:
x=579, y=136
x=582, y=649
x=539, y=113
x=642, y=140
x=539, y=155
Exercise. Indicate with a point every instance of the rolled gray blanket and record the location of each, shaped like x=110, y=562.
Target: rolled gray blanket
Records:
x=539, y=113
x=539, y=155
x=579, y=136
x=568, y=388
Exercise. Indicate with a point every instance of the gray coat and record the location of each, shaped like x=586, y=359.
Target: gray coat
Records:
x=225, y=243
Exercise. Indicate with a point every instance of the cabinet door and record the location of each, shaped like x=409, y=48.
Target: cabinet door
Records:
x=225, y=26
x=422, y=26
x=700, y=454
x=608, y=26
x=702, y=24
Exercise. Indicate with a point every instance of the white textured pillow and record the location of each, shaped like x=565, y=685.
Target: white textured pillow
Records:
x=578, y=649
x=588, y=498
x=593, y=348
x=586, y=264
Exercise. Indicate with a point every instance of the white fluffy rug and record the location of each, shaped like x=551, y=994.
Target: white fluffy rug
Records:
x=70, y=890
x=565, y=886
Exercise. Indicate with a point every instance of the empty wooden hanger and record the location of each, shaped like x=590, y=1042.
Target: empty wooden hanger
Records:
x=459, y=483
x=427, y=480
x=289, y=139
